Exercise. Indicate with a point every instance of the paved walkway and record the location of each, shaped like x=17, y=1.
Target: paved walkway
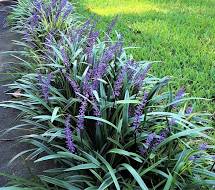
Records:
x=8, y=149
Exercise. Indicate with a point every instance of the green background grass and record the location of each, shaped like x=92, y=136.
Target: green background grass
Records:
x=179, y=33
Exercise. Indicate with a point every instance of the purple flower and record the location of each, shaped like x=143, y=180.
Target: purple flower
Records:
x=172, y=122
x=90, y=43
x=38, y=5
x=53, y=4
x=34, y=20
x=49, y=40
x=153, y=140
x=203, y=146
x=142, y=150
x=87, y=84
x=88, y=92
x=119, y=82
x=68, y=133
x=27, y=36
x=73, y=84
x=82, y=110
x=57, y=16
x=81, y=30
x=141, y=76
x=138, y=112
x=179, y=95
x=45, y=84
x=131, y=70
x=65, y=58
x=63, y=4
x=111, y=25
x=59, y=11
x=68, y=11
x=149, y=143
x=213, y=157
x=96, y=111
x=151, y=137
x=163, y=135
x=189, y=110
x=101, y=69
x=192, y=158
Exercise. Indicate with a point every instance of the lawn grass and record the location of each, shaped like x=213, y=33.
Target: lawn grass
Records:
x=180, y=34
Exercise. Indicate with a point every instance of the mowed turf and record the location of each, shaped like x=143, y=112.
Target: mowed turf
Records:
x=180, y=34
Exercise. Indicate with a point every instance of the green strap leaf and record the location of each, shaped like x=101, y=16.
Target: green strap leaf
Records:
x=106, y=183
x=110, y=169
x=58, y=182
x=54, y=114
x=132, y=155
x=168, y=183
x=187, y=132
x=82, y=167
x=101, y=120
x=136, y=176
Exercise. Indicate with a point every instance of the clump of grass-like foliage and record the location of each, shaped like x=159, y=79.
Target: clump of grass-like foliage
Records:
x=97, y=113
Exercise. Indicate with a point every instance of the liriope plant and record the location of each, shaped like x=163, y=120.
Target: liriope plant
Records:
x=38, y=21
x=104, y=121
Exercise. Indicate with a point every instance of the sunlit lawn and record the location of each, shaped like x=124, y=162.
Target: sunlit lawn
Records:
x=179, y=33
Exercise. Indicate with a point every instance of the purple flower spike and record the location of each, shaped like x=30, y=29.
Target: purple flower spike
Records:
x=82, y=110
x=49, y=40
x=27, y=37
x=150, y=138
x=189, y=110
x=172, y=122
x=192, y=158
x=96, y=111
x=53, y=3
x=119, y=82
x=73, y=84
x=87, y=88
x=138, y=112
x=68, y=11
x=57, y=16
x=163, y=135
x=45, y=84
x=38, y=5
x=68, y=133
x=111, y=25
x=141, y=76
x=90, y=43
x=107, y=56
x=142, y=150
x=59, y=11
x=179, y=95
x=34, y=21
x=81, y=30
x=63, y=4
x=203, y=146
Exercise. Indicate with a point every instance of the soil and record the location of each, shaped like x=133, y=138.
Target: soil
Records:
x=8, y=117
